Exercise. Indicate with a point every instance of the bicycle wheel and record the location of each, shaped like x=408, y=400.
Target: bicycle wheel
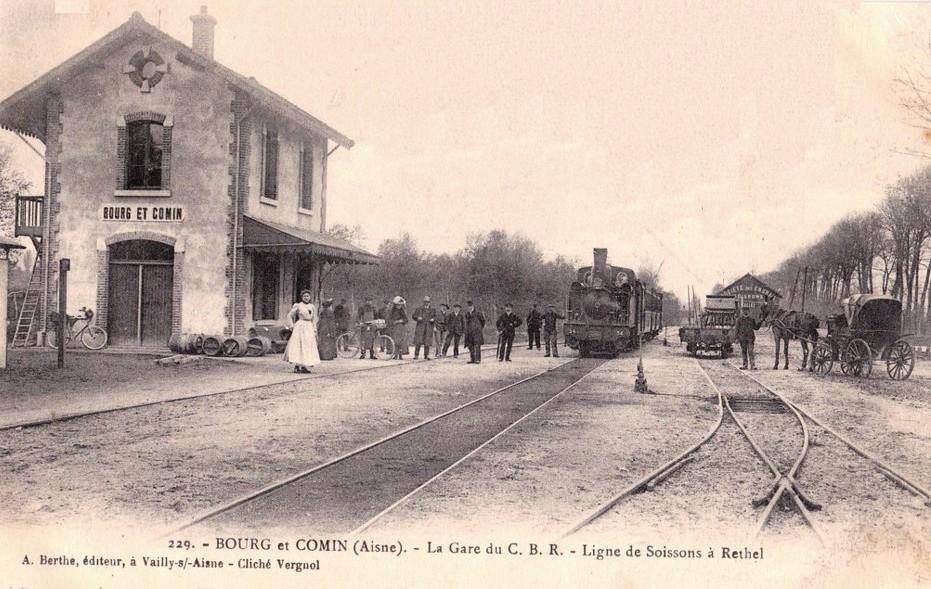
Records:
x=384, y=347
x=94, y=338
x=347, y=345
x=51, y=338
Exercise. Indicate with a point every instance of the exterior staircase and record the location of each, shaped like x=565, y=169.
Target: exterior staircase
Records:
x=25, y=334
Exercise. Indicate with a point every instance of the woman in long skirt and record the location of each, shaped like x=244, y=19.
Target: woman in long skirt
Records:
x=302, y=346
x=326, y=331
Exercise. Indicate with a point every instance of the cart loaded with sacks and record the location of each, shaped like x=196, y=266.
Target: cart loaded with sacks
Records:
x=868, y=331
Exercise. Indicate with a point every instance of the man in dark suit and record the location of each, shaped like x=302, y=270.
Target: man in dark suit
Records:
x=507, y=324
x=549, y=329
x=425, y=316
x=534, y=323
x=474, y=338
x=455, y=327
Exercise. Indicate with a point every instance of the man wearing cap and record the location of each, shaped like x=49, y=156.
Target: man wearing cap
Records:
x=397, y=326
x=425, y=316
x=474, y=338
x=549, y=329
x=534, y=323
x=507, y=324
x=455, y=327
x=366, y=314
x=439, y=329
x=341, y=314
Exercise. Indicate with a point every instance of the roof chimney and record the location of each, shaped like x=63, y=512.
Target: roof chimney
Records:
x=202, y=41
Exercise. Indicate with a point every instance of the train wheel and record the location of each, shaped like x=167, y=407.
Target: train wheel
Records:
x=822, y=359
x=859, y=358
x=901, y=360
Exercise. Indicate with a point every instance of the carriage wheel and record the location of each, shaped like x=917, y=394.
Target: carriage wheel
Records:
x=347, y=345
x=859, y=358
x=384, y=347
x=822, y=359
x=901, y=360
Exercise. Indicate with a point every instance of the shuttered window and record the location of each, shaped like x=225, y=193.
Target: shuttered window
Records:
x=144, y=155
x=307, y=177
x=270, y=165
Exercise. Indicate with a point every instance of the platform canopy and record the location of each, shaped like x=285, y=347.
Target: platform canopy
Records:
x=266, y=236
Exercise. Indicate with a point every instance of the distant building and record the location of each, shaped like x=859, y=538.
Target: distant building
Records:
x=750, y=292
x=188, y=197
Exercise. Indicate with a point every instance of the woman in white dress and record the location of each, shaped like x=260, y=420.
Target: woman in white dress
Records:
x=302, y=346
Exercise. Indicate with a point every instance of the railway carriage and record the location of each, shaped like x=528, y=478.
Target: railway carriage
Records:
x=868, y=330
x=716, y=329
x=609, y=310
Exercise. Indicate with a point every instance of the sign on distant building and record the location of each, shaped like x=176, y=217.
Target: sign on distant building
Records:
x=750, y=292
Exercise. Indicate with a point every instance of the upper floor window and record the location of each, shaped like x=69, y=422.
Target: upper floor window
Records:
x=270, y=164
x=306, y=175
x=145, y=142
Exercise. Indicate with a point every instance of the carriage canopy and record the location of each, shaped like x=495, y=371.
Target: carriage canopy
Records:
x=873, y=312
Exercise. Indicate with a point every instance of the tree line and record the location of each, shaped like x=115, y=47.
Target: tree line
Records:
x=886, y=250
x=493, y=269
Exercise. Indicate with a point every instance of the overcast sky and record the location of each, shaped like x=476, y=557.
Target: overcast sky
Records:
x=714, y=139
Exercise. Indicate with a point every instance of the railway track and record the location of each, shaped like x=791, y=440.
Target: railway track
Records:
x=766, y=419
x=351, y=492
x=245, y=389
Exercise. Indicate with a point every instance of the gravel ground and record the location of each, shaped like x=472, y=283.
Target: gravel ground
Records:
x=342, y=497
x=34, y=389
x=774, y=429
x=564, y=461
x=167, y=462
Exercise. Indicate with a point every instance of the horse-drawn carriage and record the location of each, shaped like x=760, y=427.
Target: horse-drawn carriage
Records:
x=869, y=330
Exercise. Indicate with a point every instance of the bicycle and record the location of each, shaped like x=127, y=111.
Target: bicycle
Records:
x=91, y=336
x=349, y=344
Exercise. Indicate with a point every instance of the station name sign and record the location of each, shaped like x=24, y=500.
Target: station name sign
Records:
x=749, y=290
x=142, y=213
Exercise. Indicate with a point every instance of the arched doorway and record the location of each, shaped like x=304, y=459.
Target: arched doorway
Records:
x=140, y=293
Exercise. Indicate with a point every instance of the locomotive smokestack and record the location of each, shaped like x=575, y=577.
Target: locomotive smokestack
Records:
x=601, y=262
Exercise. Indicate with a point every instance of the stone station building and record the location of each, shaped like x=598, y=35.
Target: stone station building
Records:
x=189, y=198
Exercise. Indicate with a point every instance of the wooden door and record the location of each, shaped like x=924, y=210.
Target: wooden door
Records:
x=140, y=300
x=123, y=313
x=155, y=314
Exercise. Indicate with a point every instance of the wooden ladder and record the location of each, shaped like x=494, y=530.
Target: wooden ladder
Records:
x=24, y=334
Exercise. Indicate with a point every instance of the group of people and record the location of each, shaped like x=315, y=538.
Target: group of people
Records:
x=315, y=337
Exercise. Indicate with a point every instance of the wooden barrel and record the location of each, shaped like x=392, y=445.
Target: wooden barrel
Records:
x=212, y=345
x=235, y=346
x=186, y=343
x=193, y=343
x=258, y=346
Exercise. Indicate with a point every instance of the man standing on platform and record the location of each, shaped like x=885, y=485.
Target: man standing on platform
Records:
x=341, y=314
x=366, y=314
x=507, y=324
x=425, y=316
x=439, y=329
x=534, y=323
x=746, y=335
x=549, y=329
x=474, y=338
x=455, y=327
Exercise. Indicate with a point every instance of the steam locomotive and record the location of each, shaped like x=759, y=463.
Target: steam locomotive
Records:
x=609, y=310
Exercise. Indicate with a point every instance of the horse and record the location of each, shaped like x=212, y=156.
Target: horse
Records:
x=788, y=325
